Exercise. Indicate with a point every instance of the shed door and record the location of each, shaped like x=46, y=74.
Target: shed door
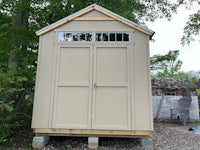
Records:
x=111, y=100
x=92, y=90
x=73, y=93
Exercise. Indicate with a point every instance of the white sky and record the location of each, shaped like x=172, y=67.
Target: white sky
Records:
x=168, y=37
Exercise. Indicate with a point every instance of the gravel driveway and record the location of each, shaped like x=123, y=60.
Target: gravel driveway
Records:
x=167, y=136
x=175, y=137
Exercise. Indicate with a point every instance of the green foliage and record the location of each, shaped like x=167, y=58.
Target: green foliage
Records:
x=16, y=86
x=192, y=28
x=68, y=146
x=10, y=86
x=53, y=10
x=198, y=92
x=166, y=65
x=15, y=104
x=192, y=76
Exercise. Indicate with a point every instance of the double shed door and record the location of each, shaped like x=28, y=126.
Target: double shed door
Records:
x=92, y=88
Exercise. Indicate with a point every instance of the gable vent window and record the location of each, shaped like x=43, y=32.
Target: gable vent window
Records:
x=74, y=36
x=112, y=37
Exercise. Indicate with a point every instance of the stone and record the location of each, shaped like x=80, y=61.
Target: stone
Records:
x=146, y=143
x=40, y=141
x=93, y=142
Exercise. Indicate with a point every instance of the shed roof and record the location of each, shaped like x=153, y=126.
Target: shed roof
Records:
x=100, y=9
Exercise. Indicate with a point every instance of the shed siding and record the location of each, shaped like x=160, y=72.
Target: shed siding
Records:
x=85, y=25
x=94, y=14
x=142, y=111
x=44, y=82
x=94, y=26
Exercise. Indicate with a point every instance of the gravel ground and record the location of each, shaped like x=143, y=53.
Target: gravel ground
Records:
x=167, y=136
x=175, y=137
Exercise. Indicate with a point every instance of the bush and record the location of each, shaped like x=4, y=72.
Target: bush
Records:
x=198, y=93
x=15, y=104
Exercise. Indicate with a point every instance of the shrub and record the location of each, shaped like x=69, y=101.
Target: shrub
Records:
x=15, y=104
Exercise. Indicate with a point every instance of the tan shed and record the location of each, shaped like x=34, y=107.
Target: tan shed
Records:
x=93, y=76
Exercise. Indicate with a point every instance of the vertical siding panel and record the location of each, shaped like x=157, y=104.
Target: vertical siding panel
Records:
x=142, y=101
x=43, y=89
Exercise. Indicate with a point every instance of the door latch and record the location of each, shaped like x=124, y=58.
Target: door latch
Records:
x=95, y=85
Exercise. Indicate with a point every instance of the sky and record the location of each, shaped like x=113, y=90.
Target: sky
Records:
x=168, y=36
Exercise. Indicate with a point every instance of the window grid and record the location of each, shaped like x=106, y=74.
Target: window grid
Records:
x=112, y=36
x=99, y=36
x=74, y=36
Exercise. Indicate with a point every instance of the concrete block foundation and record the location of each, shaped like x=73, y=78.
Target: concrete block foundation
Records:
x=93, y=142
x=146, y=143
x=40, y=141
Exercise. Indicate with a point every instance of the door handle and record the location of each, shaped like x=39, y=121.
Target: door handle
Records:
x=95, y=85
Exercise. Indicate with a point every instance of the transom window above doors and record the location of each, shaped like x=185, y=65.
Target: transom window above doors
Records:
x=74, y=36
x=112, y=36
x=99, y=36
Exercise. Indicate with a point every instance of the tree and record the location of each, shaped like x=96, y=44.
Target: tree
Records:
x=192, y=27
x=52, y=10
x=166, y=65
x=192, y=76
x=16, y=73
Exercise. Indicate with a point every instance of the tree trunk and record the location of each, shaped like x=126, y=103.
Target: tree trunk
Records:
x=18, y=21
